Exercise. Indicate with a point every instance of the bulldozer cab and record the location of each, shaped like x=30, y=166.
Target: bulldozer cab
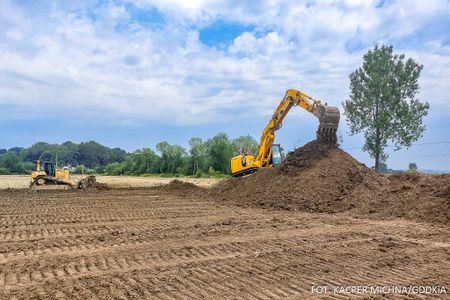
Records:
x=46, y=166
x=49, y=168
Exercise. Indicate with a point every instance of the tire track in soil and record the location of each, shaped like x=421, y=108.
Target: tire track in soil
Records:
x=141, y=236
x=130, y=245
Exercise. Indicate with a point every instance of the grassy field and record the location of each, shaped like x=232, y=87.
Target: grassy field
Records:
x=23, y=181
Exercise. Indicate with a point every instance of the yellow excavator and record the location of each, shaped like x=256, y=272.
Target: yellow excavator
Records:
x=270, y=154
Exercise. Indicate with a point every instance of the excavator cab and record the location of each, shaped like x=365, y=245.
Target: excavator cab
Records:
x=277, y=155
x=247, y=164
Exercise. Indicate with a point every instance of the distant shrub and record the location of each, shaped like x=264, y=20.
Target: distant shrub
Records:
x=166, y=175
x=149, y=175
x=4, y=171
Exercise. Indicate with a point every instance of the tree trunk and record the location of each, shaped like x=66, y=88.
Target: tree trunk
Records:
x=377, y=149
x=377, y=161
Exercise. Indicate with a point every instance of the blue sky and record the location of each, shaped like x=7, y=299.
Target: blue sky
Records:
x=132, y=73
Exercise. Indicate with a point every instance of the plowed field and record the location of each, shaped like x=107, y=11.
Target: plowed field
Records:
x=158, y=244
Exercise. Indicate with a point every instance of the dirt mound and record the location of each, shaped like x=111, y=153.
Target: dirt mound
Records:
x=314, y=178
x=416, y=196
x=178, y=185
x=90, y=182
x=307, y=156
x=323, y=178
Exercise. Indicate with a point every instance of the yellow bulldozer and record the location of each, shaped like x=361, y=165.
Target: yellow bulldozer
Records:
x=46, y=173
x=270, y=154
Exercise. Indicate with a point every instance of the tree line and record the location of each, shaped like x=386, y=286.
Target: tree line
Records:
x=203, y=157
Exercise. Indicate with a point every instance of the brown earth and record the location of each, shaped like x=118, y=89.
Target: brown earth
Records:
x=331, y=222
x=322, y=178
x=160, y=244
x=90, y=182
x=178, y=185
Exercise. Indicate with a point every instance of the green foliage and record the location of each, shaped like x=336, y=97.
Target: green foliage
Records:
x=220, y=151
x=412, y=167
x=4, y=171
x=11, y=162
x=198, y=157
x=80, y=169
x=27, y=166
x=114, y=169
x=166, y=175
x=91, y=154
x=213, y=173
x=210, y=158
x=142, y=161
x=383, y=102
x=172, y=157
x=245, y=142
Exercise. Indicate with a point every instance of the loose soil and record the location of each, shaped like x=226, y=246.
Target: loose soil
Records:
x=322, y=178
x=178, y=185
x=90, y=182
x=321, y=219
x=157, y=244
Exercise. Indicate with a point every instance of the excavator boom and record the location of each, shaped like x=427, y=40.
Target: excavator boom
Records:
x=328, y=123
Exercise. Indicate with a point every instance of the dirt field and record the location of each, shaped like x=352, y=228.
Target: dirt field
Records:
x=162, y=244
x=23, y=181
x=320, y=220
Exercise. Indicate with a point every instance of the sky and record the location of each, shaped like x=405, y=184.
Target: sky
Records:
x=130, y=74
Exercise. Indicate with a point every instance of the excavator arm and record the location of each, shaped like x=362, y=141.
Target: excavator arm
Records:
x=328, y=118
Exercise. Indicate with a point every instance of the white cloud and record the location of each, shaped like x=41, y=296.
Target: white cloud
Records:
x=98, y=58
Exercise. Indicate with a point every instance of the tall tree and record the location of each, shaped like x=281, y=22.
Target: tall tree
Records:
x=412, y=166
x=245, y=142
x=171, y=157
x=198, y=154
x=220, y=151
x=11, y=162
x=383, y=103
x=144, y=161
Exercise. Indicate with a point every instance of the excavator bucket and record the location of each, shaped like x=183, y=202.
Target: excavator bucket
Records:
x=329, y=121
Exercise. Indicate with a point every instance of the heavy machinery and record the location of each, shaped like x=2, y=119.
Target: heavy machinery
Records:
x=270, y=154
x=46, y=174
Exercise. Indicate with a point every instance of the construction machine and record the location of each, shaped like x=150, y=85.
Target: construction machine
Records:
x=46, y=173
x=270, y=154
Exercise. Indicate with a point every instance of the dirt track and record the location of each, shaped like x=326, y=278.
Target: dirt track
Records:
x=133, y=244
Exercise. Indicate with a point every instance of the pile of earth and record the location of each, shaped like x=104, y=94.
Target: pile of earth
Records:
x=323, y=178
x=90, y=183
x=178, y=185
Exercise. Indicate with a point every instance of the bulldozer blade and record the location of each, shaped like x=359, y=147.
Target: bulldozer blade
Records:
x=87, y=182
